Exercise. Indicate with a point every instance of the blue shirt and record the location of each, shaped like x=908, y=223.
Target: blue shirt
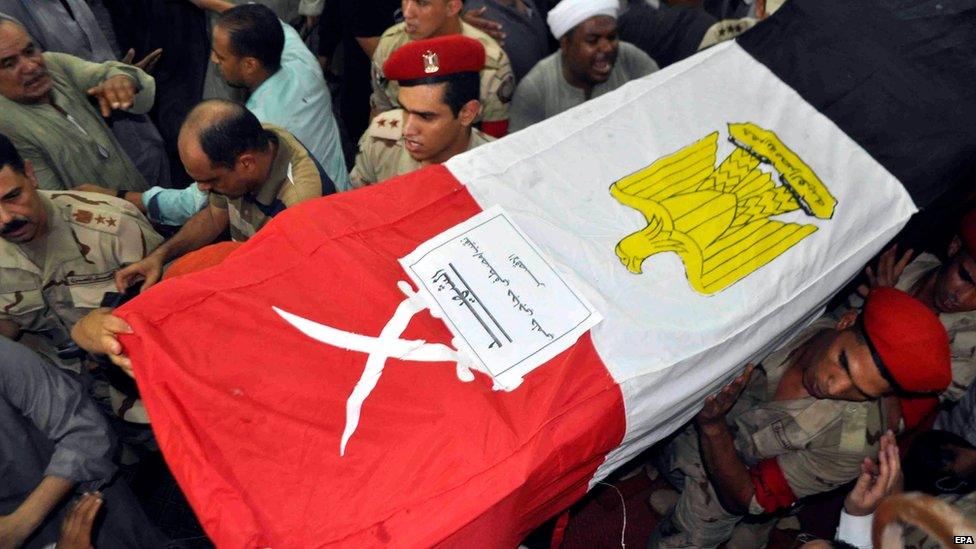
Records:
x=297, y=99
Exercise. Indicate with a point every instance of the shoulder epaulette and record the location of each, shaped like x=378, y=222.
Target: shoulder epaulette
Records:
x=387, y=125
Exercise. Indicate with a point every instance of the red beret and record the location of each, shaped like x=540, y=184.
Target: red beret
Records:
x=435, y=57
x=909, y=339
x=967, y=232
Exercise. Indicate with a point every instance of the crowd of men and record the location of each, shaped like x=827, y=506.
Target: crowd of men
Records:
x=102, y=195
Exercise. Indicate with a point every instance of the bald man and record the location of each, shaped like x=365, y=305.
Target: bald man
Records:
x=252, y=171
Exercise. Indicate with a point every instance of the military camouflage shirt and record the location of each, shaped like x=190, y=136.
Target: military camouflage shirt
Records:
x=819, y=444
x=295, y=177
x=381, y=153
x=47, y=284
x=497, y=80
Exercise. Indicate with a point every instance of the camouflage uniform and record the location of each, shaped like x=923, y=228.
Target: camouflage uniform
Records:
x=295, y=176
x=818, y=444
x=48, y=284
x=497, y=79
x=960, y=326
x=381, y=153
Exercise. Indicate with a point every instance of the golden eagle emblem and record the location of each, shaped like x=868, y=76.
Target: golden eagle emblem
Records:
x=718, y=220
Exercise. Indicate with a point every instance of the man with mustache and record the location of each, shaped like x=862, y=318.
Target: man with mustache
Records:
x=804, y=422
x=438, y=91
x=59, y=252
x=45, y=99
x=425, y=19
x=591, y=61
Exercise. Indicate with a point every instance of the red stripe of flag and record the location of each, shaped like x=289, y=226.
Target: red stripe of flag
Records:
x=249, y=411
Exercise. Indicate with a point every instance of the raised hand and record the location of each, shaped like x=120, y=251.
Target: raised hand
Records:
x=877, y=480
x=888, y=271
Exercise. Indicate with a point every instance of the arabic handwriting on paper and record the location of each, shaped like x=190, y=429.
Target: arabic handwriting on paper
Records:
x=536, y=327
x=493, y=275
x=463, y=295
x=518, y=264
x=506, y=305
x=517, y=303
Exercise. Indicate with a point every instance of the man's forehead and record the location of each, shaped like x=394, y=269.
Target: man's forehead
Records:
x=10, y=179
x=13, y=38
x=423, y=98
x=598, y=24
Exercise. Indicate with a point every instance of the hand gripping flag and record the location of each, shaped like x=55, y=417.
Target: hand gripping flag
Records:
x=706, y=212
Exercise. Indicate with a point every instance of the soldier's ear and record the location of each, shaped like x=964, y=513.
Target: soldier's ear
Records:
x=847, y=320
x=454, y=7
x=469, y=112
x=245, y=161
x=955, y=245
x=29, y=172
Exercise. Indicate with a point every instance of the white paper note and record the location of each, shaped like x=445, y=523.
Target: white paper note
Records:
x=508, y=308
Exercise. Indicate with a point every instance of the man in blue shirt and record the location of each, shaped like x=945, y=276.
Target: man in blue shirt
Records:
x=255, y=51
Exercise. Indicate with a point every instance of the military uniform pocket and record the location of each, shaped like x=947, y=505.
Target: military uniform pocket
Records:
x=88, y=290
x=24, y=307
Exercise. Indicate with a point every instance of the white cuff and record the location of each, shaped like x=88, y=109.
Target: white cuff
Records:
x=855, y=530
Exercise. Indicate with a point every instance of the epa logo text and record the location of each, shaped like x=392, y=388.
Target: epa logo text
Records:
x=965, y=540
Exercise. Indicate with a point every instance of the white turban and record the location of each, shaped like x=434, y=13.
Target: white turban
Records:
x=569, y=13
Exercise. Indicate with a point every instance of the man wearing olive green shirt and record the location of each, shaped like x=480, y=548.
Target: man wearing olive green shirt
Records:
x=47, y=113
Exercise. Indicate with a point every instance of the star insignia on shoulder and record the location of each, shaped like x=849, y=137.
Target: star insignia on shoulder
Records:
x=394, y=123
x=99, y=219
x=110, y=221
x=381, y=123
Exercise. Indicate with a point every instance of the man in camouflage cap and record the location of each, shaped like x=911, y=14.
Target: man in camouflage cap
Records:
x=59, y=252
x=438, y=92
x=805, y=421
x=437, y=18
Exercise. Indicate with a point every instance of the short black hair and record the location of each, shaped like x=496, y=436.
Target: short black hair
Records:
x=228, y=130
x=461, y=88
x=9, y=155
x=254, y=31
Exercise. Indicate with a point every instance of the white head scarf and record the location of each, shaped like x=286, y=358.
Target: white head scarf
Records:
x=569, y=13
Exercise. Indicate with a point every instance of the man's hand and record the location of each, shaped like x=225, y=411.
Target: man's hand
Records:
x=149, y=271
x=13, y=531
x=147, y=63
x=77, y=525
x=876, y=481
x=98, y=331
x=888, y=272
x=115, y=93
x=476, y=19
x=719, y=404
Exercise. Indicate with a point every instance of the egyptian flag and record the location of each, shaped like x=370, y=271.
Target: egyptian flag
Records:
x=707, y=212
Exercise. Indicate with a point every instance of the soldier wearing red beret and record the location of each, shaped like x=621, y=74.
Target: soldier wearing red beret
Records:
x=949, y=289
x=425, y=19
x=438, y=94
x=804, y=421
